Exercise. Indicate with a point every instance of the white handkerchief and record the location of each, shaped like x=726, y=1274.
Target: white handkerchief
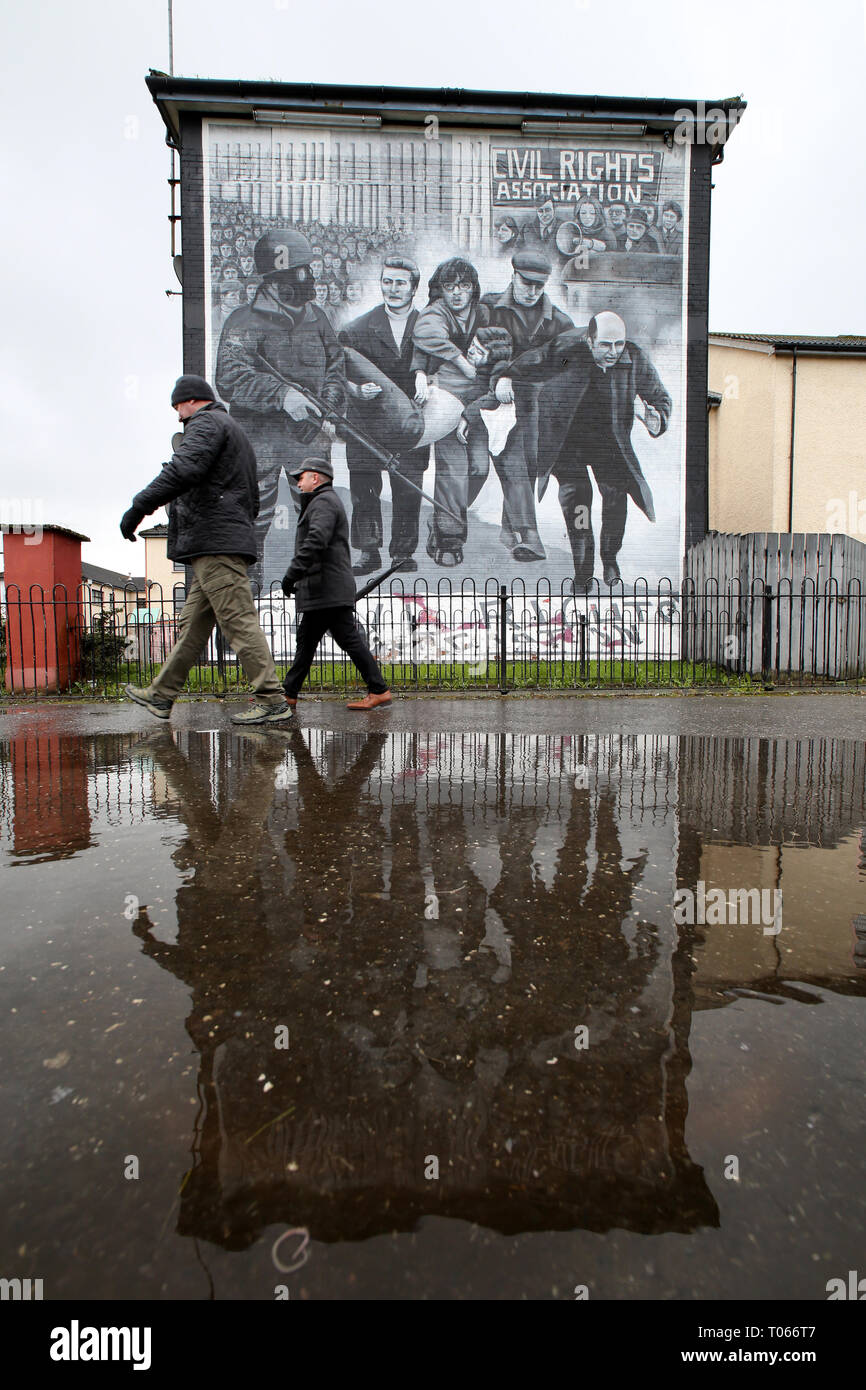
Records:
x=499, y=423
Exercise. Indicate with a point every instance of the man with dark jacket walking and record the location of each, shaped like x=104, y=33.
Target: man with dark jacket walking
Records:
x=320, y=577
x=211, y=485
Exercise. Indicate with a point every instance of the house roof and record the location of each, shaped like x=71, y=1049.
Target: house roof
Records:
x=14, y=527
x=240, y=99
x=161, y=530
x=842, y=342
x=95, y=574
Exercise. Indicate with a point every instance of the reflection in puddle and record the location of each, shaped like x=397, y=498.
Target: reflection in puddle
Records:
x=423, y=975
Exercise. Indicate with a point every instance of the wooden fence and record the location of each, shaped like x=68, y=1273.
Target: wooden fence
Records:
x=772, y=603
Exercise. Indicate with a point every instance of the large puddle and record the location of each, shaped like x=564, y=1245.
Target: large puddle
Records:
x=479, y=1015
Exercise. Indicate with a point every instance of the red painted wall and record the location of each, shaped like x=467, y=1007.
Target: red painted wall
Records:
x=43, y=580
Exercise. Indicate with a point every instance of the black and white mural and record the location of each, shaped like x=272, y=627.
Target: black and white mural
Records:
x=484, y=333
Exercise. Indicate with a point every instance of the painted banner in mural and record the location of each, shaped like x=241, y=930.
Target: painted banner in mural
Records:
x=483, y=333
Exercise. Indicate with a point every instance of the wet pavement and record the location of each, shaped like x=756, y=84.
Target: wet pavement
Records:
x=442, y=1001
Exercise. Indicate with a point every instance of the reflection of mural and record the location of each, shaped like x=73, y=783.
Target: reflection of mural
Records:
x=430, y=916
x=430, y=959
x=477, y=896
x=485, y=317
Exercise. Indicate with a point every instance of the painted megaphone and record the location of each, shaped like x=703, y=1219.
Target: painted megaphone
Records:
x=569, y=238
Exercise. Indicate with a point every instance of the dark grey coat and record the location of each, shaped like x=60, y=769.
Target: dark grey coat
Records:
x=564, y=365
x=321, y=568
x=211, y=485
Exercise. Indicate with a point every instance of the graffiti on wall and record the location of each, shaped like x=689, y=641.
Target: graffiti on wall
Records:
x=484, y=337
x=418, y=628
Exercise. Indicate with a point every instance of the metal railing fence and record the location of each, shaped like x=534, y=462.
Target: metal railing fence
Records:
x=471, y=636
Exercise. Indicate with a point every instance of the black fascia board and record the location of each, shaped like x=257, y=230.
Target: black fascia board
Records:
x=234, y=99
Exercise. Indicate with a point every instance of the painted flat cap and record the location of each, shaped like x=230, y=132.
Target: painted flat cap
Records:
x=532, y=266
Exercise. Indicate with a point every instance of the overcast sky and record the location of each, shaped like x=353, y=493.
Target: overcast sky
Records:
x=92, y=344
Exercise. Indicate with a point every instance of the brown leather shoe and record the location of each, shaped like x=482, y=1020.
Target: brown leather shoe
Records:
x=371, y=701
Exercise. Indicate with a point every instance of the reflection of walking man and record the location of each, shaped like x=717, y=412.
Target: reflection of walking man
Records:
x=525, y=310
x=384, y=337
x=586, y=414
x=282, y=334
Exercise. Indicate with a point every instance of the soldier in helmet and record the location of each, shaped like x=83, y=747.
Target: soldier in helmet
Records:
x=282, y=335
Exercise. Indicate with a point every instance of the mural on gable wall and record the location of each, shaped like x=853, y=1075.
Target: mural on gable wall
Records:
x=491, y=329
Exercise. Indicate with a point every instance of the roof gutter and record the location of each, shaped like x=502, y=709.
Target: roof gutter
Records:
x=409, y=105
x=820, y=352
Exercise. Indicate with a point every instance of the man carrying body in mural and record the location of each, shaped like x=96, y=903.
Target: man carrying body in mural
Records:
x=281, y=336
x=443, y=332
x=586, y=414
x=525, y=310
x=384, y=337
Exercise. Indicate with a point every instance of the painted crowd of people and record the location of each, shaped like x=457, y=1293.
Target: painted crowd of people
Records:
x=590, y=227
x=344, y=260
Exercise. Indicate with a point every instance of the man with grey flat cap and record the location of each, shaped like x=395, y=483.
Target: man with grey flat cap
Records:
x=320, y=578
x=210, y=484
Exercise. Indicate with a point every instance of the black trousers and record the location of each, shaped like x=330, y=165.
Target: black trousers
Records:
x=365, y=488
x=346, y=632
x=575, y=490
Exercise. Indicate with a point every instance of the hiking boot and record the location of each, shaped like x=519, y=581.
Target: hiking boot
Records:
x=156, y=704
x=260, y=713
x=371, y=701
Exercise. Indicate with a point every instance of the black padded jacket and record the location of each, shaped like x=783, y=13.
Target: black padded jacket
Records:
x=211, y=485
x=321, y=568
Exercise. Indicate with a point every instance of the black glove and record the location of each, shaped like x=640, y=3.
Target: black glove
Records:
x=288, y=585
x=130, y=521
